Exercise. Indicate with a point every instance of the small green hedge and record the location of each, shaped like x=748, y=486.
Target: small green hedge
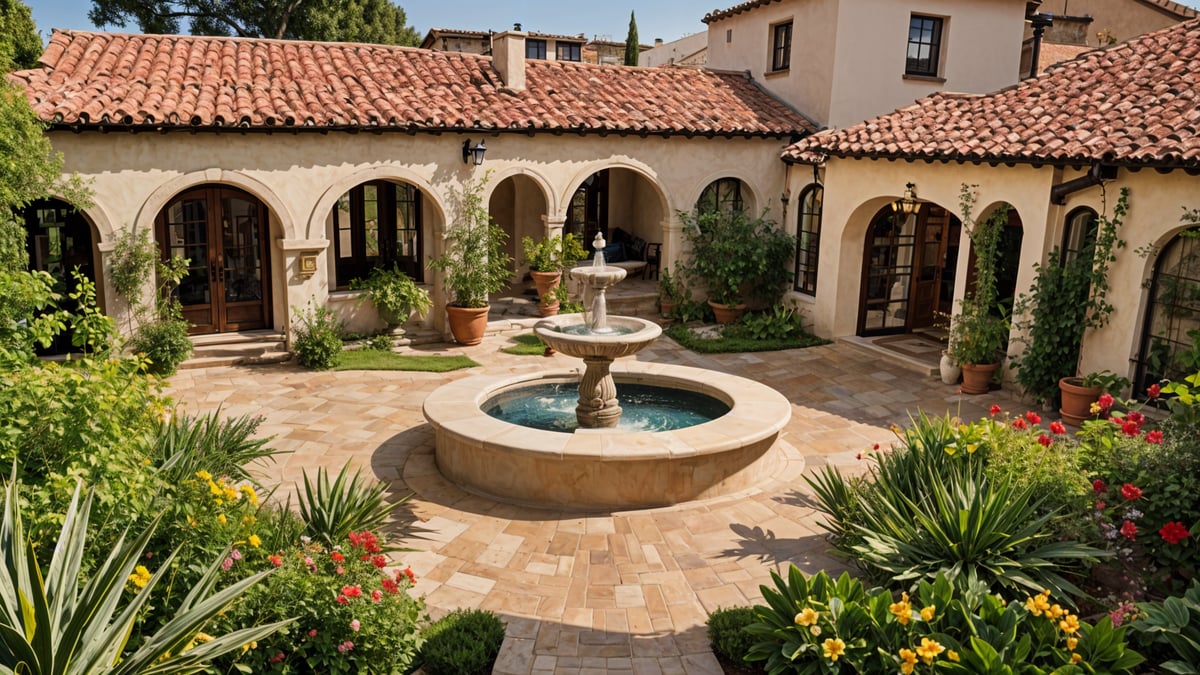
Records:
x=464, y=642
x=722, y=345
x=726, y=632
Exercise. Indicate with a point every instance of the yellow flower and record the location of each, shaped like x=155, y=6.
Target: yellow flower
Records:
x=908, y=661
x=1069, y=624
x=929, y=649
x=1055, y=612
x=248, y=646
x=902, y=610
x=251, y=495
x=1072, y=643
x=140, y=577
x=231, y=493
x=833, y=648
x=222, y=519
x=927, y=613
x=1076, y=658
x=1038, y=604
x=203, y=637
x=192, y=521
x=807, y=617
x=204, y=475
x=215, y=489
x=952, y=655
x=255, y=541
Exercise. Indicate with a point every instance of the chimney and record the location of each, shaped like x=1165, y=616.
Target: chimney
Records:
x=658, y=42
x=508, y=57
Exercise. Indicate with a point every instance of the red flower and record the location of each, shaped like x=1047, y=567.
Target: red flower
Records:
x=355, y=538
x=875, y=447
x=1130, y=491
x=1135, y=416
x=1106, y=401
x=412, y=578
x=343, y=600
x=1131, y=429
x=1100, y=506
x=1153, y=391
x=1045, y=440
x=1033, y=417
x=1019, y=423
x=1154, y=437
x=277, y=658
x=1129, y=530
x=379, y=561
x=1057, y=427
x=1098, y=486
x=352, y=591
x=312, y=633
x=1173, y=533
x=337, y=556
x=391, y=586
x=275, y=560
x=376, y=595
x=994, y=410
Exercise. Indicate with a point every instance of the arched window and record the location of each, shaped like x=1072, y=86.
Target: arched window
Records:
x=808, y=238
x=722, y=195
x=588, y=212
x=1168, y=349
x=377, y=224
x=1079, y=233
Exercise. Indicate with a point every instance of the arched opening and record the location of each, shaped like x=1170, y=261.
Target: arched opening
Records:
x=60, y=240
x=222, y=231
x=378, y=223
x=724, y=195
x=624, y=206
x=908, y=270
x=1168, y=349
x=808, y=238
x=518, y=205
x=1008, y=264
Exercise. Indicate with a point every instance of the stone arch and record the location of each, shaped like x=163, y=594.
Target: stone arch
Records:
x=752, y=200
x=283, y=220
x=548, y=192
x=318, y=217
x=641, y=223
x=563, y=199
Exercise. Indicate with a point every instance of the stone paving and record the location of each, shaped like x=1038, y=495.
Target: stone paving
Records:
x=584, y=593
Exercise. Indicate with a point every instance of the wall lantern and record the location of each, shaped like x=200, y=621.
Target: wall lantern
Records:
x=473, y=154
x=308, y=264
x=908, y=204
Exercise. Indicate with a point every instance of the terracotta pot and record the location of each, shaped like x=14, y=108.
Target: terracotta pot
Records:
x=467, y=324
x=727, y=313
x=1077, y=400
x=666, y=308
x=977, y=377
x=546, y=282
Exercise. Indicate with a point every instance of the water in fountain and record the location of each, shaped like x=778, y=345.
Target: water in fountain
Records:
x=551, y=407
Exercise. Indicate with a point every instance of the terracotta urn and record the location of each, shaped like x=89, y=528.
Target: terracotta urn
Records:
x=727, y=313
x=467, y=324
x=977, y=377
x=1077, y=400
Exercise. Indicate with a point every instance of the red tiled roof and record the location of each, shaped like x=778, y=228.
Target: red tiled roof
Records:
x=163, y=82
x=1179, y=10
x=718, y=14
x=1135, y=103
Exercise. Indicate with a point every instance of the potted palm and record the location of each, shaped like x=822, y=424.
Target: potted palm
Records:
x=738, y=258
x=546, y=259
x=474, y=264
x=395, y=295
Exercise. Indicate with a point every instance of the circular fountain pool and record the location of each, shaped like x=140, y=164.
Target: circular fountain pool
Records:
x=609, y=468
x=550, y=406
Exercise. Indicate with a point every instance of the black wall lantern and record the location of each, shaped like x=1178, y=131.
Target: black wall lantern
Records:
x=473, y=154
x=908, y=204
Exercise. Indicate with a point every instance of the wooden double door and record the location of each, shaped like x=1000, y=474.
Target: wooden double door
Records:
x=908, y=271
x=222, y=232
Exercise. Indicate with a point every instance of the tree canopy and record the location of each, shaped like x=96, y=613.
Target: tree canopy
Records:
x=631, y=43
x=20, y=43
x=373, y=21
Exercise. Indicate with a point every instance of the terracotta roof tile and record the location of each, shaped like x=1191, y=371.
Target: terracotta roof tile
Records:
x=718, y=14
x=1180, y=10
x=97, y=79
x=1135, y=103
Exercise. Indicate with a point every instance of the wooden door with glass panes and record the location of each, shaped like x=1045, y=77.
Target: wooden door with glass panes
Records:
x=223, y=234
x=937, y=257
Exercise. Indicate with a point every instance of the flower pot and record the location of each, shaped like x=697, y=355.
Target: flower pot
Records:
x=546, y=282
x=727, y=313
x=950, y=370
x=666, y=308
x=1077, y=400
x=467, y=324
x=977, y=377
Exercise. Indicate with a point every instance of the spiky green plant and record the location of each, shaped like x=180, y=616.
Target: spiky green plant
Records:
x=223, y=446
x=331, y=511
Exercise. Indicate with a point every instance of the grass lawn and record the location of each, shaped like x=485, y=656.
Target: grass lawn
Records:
x=526, y=345
x=374, y=359
x=682, y=334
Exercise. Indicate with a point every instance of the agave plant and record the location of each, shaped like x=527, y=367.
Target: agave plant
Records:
x=223, y=446
x=331, y=511
x=53, y=623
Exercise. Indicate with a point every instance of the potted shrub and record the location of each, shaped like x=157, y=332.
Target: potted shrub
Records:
x=1079, y=393
x=671, y=292
x=1067, y=299
x=546, y=259
x=396, y=296
x=474, y=264
x=738, y=258
x=977, y=333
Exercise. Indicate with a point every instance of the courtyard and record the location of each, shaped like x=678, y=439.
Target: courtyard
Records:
x=626, y=592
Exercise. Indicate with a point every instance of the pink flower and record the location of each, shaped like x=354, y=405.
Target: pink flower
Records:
x=1100, y=506
x=1130, y=491
x=227, y=564
x=1057, y=427
x=1098, y=486
x=1153, y=391
x=1106, y=401
x=235, y=554
x=1033, y=417
x=1019, y=424
x=346, y=646
x=1155, y=437
x=994, y=410
x=1173, y=533
x=277, y=658
x=1129, y=530
x=355, y=625
x=340, y=570
x=312, y=633
x=376, y=595
x=1045, y=440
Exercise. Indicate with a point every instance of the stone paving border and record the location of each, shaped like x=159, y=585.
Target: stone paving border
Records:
x=616, y=593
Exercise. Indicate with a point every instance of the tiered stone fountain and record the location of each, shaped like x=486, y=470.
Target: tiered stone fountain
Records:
x=507, y=438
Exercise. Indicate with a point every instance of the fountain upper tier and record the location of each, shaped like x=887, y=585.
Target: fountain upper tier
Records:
x=629, y=336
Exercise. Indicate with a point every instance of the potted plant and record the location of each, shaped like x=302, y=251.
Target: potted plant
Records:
x=546, y=259
x=396, y=296
x=474, y=264
x=738, y=258
x=1067, y=298
x=1079, y=393
x=977, y=332
x=671, y=292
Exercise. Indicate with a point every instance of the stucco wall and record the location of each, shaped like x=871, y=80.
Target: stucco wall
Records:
x=674, y=52
x=1123, y=18
x=300, y=176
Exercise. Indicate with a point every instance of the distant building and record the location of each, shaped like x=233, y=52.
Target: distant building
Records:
x=689, y=50
x=543, y=46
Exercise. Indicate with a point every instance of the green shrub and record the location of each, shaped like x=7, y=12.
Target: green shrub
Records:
x=165, y=344
x=395, y=294
x=727, y=634
x=183, y=445
x=317, y=337
x=737, y=256
x=777, y=323
x=1171, y=630
x=820, y=625
x=331, y=511
x=464, y=642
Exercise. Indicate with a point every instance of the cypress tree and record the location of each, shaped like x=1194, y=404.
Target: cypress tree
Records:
x=631, y=43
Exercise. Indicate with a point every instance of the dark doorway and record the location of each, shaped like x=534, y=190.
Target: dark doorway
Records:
x=59, y=240
x=588, y=213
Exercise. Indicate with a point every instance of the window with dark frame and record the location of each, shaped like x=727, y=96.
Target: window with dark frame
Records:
x=722, y=195
x=781, y=46
x=1080, y=233
x=1172, y=304
x=924, y=45
x=808, y=238
x=535, y=49
x=377, y=224
x=568, y=51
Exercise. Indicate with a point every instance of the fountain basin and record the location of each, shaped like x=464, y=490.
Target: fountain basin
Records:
x=609, y=469
x=630, y=336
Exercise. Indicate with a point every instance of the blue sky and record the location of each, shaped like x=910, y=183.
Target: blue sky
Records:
x=667, y=19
